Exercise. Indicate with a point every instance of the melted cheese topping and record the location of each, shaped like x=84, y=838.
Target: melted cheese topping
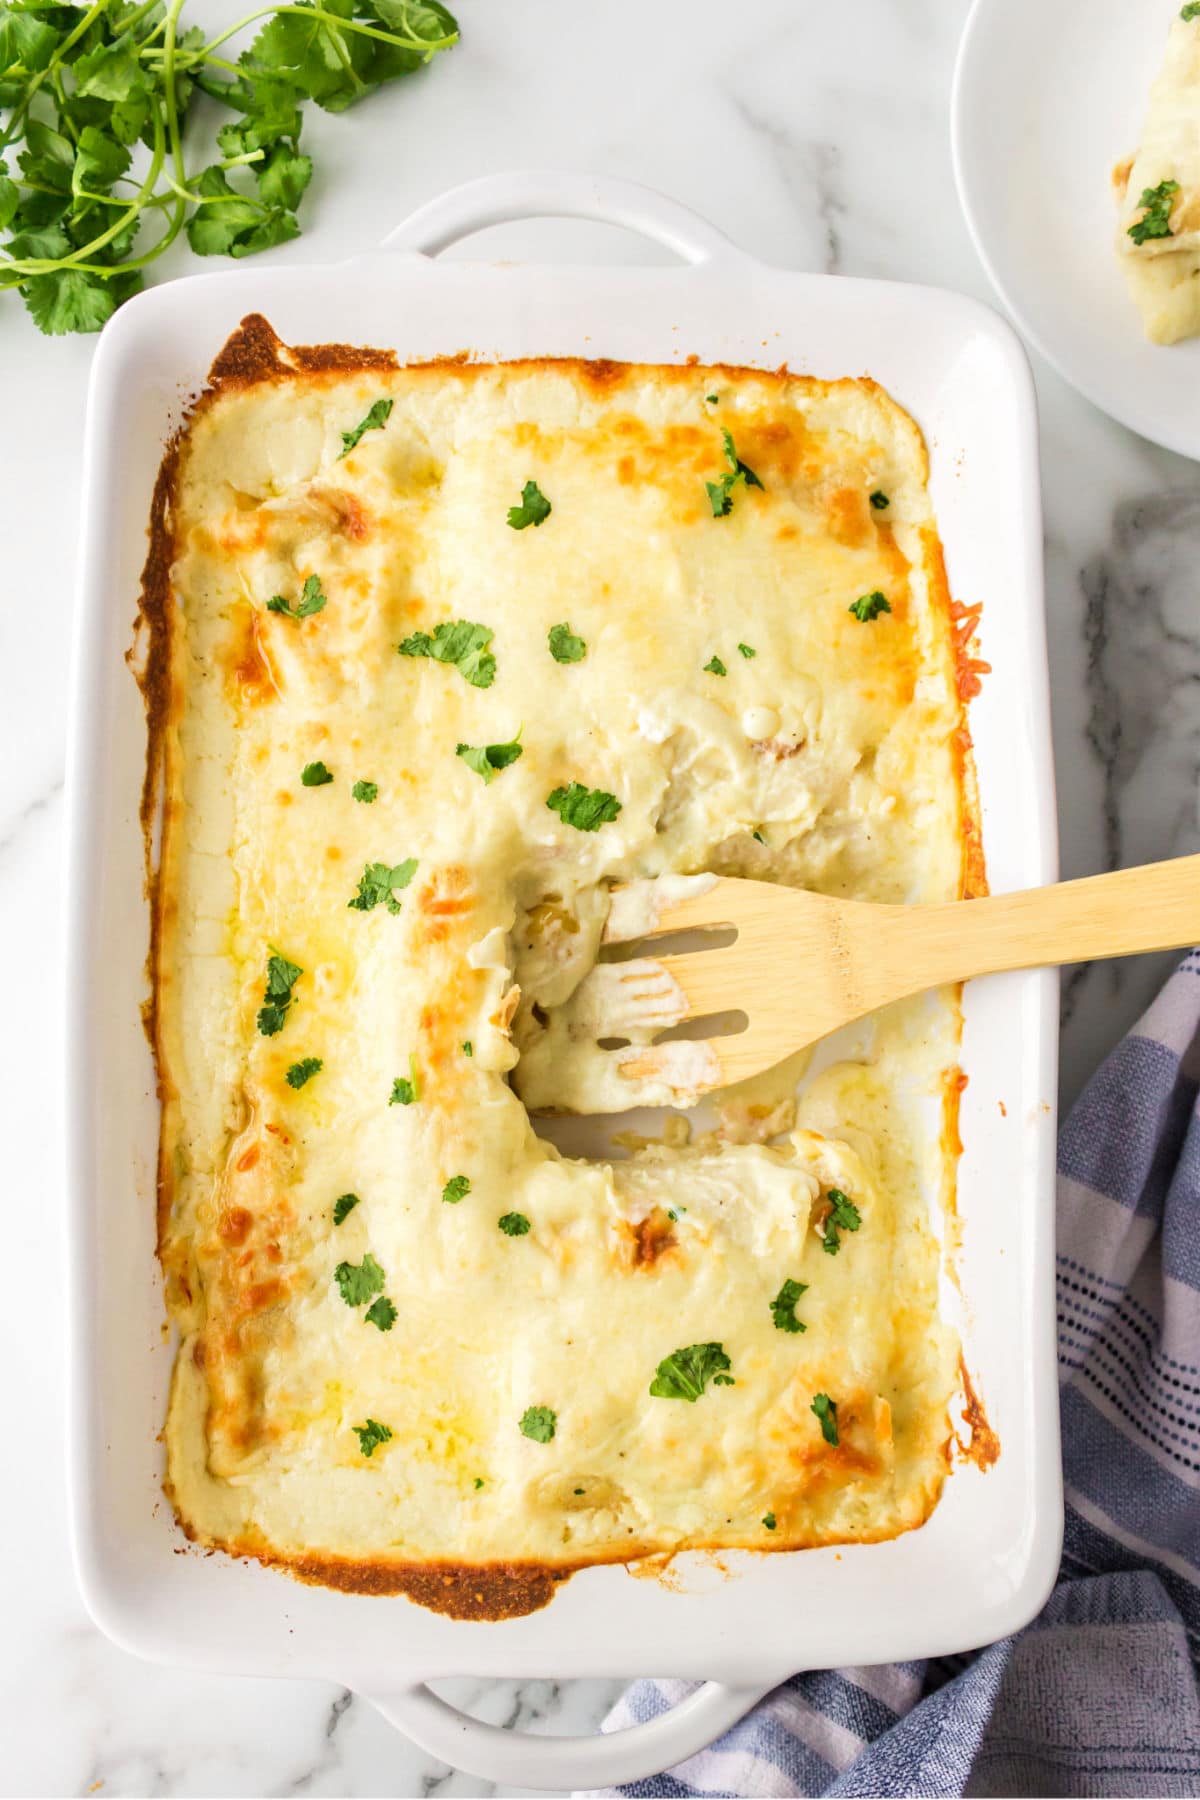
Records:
x=1164, y=272
x=831, y=757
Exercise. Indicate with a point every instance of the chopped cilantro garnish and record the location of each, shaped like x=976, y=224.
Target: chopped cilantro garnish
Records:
x=826, y=1411
x=344, y=1205
x=534, y=508
x=720, y=493
x=405, y=1091
x=711, y=399
x=869, y=606
x=375, y=420
x=365, y=791
x=315, y=774
x=460, y=643
x=769, y=1521
x=879, y=500
x=468, y=1048
x=565, y=647
x=747, y=651
x=714, y=666
x=539, y=1423
x=685, y=1374
x=371, y=1435
x=783, y=1306
x=456, y=1189
x=758, y=837
x=1190, y=11
x=382, y=1313
x=488, y=759
x=357, y=1282
x=311, y=601
x=304, y=1070
x=513, y=1224
x=587, y=809
x=282, y=977
x=843, y=1215
x=378, y=882
x=478, y=1482
x=1155, y=221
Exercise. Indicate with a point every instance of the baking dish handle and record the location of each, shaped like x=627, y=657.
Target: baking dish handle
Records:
x=526, y=1759
x=560, y=194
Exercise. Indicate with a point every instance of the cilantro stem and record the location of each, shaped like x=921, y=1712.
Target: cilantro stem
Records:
x=327, y=18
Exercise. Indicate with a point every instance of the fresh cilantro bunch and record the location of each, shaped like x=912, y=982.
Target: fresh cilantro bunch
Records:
x=93, y=103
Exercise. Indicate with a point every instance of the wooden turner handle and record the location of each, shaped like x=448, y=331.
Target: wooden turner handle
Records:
x=1155, y=907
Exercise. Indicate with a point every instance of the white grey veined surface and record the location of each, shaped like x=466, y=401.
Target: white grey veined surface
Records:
x=962, y=375
x=1047, y=100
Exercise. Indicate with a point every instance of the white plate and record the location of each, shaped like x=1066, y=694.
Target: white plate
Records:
x=1048, y=95
x=983, y=1564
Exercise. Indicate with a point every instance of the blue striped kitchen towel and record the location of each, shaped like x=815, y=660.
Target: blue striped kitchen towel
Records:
x=1099, y=1695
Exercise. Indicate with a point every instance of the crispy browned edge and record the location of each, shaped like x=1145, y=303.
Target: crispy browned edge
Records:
x=252, y=355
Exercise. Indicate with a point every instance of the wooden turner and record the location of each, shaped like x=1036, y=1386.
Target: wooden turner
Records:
x=802, y=964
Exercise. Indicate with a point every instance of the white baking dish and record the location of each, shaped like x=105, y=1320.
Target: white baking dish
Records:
x=983, y=1564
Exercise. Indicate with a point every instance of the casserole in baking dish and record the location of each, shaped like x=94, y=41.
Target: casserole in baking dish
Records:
x=984, y=1559
x=398, y=786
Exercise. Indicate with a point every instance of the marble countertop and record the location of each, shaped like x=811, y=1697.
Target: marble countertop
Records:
x=818, y=138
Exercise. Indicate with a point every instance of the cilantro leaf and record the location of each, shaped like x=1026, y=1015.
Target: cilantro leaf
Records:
x=565, y=647
x=382, y=1313
x=826, y=1411
x=343, y=1206
x=315, y=774
x=539, y=1423
x=371, y=1435
x=587, y=809
x=513, y=1224
x=488, y=759
x=712, y=399
x=311, y=601
x=282, y=977
x=229, y=223
x=405, y=1089
x=783, y=1306
x=68, y=300
x=843, y=1215
x=1190, y=11
x=720, y=492
x=456, y=1189
x=304, y=1070
x=468, y=1048
x=26, y=40
x=99, y=162
x=461, y=643
x=357, y=1282
x=1155, y=221
x=375, y=420
x=478, y=1482
x=746, y=651
x=366, y=791
x=534, y=508
x=869, y=606
x=378, y=882
x=685, y=1374
x=769, y=1521
x=879, y=500
x=714, y=666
